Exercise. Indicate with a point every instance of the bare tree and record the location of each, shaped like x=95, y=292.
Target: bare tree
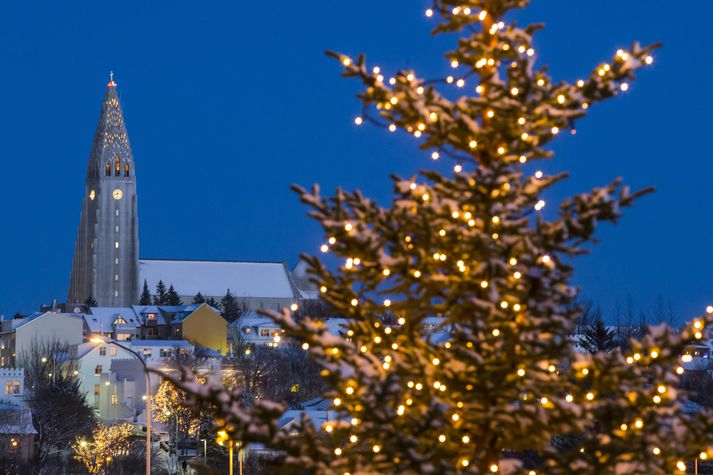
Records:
x=59, y=409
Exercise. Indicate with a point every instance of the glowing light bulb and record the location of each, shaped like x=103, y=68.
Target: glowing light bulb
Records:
x=458, y=168
x=514, y=91
x=358, y=120
x=649, y=59
x=624, y=87
x=460, y=82
x=392, y=127
x=429, y=12
x=346, y=61
x=560, y=99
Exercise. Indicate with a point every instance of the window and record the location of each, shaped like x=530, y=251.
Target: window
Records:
x=112, y=351
x=102, y=351
x=264, y=332
x=126, y=168
x=151, y=331
x=116, y=276
x=117, y=166
x=120, y=320
x=116, y=229
x=108, y=168
x=114, y=399
x=97, y=389
x=116, y=260
x=165, y=352
x=116, y=245
x=151, y=316
x=123, y=337
x=12, y=387
x=147, y=352
x=116, y=293
x=98, y=370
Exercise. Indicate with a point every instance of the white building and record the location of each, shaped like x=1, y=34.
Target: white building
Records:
x=18, y=335
x=113, y=380
x=12, y=384
x=254, y=284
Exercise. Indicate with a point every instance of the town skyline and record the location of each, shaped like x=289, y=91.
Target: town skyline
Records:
x=214, y=168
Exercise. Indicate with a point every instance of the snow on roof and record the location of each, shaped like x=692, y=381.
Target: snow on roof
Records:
x=14, y=324
x=101, y=319
x=161, y=343
x=214, y=278
x=253, y=319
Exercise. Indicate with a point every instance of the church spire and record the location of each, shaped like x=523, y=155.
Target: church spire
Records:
x=111, y=151
x=105, y=265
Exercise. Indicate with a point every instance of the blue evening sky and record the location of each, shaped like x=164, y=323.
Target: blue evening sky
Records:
x=228, y=103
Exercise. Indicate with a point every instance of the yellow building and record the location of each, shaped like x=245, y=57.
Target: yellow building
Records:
x=205, y=327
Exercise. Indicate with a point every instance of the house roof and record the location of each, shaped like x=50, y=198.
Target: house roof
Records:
x=161, y=343
x=101, y=319
x=214, y=278
x=15, y=323
x=253, y=319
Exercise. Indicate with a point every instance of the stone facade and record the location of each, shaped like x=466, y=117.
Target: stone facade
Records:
x=105, y=264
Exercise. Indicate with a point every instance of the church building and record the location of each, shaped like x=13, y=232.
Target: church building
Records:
x=106, y=270
x=106, y=253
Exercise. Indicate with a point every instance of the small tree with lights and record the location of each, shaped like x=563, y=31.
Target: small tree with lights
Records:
x=471, y=250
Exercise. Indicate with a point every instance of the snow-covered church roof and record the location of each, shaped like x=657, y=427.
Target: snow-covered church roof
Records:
x=214, y=278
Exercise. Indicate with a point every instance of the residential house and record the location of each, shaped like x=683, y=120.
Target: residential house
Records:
x=17, y=435
x=113, y=379
x=18, y=335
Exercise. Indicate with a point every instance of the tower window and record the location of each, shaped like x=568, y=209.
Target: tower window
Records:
x=116, y=244
x=116, y=276
x=108, y=168
x=126, y=168
x=117, y=166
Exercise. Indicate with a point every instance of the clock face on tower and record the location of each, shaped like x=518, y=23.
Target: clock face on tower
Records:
x=117, y=194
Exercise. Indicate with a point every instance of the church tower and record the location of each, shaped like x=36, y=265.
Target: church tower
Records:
x=106, y=253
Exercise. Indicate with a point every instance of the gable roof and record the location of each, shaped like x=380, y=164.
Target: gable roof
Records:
x=101, y=319
x=214, y=278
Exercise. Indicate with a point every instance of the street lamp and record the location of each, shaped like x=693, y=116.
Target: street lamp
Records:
x=148, y=395
x=224, y=437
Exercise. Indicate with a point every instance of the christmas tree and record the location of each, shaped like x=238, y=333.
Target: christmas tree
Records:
x=477, y=372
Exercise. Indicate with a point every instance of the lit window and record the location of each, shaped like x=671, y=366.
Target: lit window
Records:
x=12, y=387
x=102, y=351
x=116, y=228
x=265, y=332
x=117, y=166
x=116, y=260
x=116, y=293
x=114, y=399
x=126, y=169
x=108, y=168
x=112, y=351
x=116, y=244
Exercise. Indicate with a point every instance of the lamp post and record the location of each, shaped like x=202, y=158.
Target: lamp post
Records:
x=205, y=451
x=148, y=395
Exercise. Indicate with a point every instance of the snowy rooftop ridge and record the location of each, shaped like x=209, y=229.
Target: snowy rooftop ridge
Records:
x=214, y=278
